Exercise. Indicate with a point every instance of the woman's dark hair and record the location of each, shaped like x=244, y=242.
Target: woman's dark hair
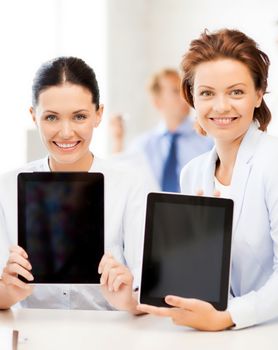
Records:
x=62, y=70
x=231, y=44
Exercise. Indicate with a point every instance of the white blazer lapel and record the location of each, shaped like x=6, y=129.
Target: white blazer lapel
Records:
x=242, y=169
x=208, y=173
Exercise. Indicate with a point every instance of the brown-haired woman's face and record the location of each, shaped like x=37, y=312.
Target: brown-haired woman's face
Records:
x=225, y=97
x=66, y=117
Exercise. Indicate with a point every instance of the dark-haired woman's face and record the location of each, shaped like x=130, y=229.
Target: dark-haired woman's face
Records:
x=225, y=98
x=66, y=117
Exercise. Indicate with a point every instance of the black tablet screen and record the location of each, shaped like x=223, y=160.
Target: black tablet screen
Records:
x=61, y=225
x=184, y=249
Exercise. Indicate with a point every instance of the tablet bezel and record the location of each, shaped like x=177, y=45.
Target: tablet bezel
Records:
x=227, y=204
x=89, y=178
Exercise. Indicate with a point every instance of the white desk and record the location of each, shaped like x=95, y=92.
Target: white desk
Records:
x=71, y=329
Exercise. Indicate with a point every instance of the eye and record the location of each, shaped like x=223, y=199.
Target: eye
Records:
x=237, y=92
x=51, y=117
x=80, y=117
x=206, y=93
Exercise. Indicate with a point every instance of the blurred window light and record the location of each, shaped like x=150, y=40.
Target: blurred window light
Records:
x=34, y=31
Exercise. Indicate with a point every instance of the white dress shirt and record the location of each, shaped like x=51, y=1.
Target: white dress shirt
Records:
x=254, y=190
x=125, y=196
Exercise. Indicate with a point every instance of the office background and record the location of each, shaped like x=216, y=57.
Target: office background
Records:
x=125, y=42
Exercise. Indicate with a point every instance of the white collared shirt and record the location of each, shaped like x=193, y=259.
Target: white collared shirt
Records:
x=125, y=195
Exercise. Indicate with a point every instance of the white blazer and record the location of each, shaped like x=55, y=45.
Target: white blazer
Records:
x=254, y=189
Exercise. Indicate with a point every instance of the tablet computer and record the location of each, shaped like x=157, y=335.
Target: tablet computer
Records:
x=187, y=249
x=61, y=225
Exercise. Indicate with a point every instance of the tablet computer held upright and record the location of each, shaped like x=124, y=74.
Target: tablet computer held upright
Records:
x=187, y=249
x=61, y=225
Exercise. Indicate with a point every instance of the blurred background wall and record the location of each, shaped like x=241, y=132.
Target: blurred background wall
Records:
x=125, y=42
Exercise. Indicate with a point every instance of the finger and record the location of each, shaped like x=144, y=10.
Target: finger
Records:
x=187, y=303
x=20, y=260
x=216, y=193
x=111, y=263
x=118, y=277
x=14, y=281
x=103, y=261
x=199, y=192
x=121, y=280
x=19, y=250
x=176, y=301
x=113, y=273
x=15, y=269
x=184, y=303
x=154, y=310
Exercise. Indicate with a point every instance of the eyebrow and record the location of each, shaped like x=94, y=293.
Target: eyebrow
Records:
x=229, y=87
x=49, y=111
x=78, y=111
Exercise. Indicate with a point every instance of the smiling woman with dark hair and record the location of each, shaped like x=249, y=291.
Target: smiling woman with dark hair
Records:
x=66, y=110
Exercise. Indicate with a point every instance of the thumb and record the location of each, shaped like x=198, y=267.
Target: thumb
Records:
x=183, y=303
x=175, y=301
x=217, y=193
x=199, y=192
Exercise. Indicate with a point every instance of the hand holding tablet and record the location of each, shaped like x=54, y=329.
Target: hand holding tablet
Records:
x=17, y=265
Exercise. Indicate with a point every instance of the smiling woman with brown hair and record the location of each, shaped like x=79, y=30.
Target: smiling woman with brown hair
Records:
x=225, y=79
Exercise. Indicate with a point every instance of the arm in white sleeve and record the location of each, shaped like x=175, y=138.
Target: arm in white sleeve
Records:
x=4, y=242
x=261, y=305
x=134, y=224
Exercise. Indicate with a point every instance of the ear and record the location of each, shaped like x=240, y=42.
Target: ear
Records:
x=33, y=114
x=259, y=98
x=99, y=114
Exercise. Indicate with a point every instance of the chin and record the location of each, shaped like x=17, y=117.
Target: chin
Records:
x=66, y=159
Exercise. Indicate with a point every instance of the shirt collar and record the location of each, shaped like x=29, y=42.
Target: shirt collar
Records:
x=95, y=167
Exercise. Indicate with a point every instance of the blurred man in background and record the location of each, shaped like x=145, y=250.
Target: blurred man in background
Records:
x=174, y=141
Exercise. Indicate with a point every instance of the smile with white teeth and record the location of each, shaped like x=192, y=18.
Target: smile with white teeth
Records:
x=223, y=121
x=66, y=145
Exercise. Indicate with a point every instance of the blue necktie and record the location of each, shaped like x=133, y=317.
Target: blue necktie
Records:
x=170, y=182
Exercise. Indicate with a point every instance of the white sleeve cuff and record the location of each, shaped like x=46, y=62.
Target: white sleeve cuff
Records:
x=242, y=310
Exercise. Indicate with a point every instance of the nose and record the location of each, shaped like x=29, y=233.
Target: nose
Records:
x=66, y=130
x=221, y=104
